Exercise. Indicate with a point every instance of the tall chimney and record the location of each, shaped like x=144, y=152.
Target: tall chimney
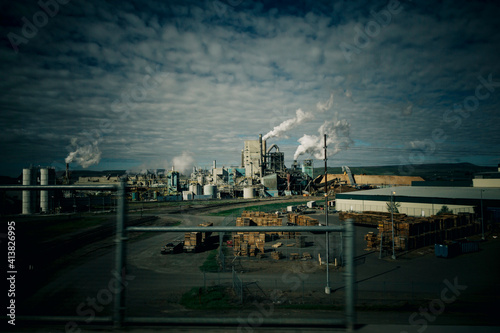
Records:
x=67, y=173
x=261, y=157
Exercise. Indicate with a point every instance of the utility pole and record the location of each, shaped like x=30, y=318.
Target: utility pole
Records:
x=482, y=216
x=327, y=288
x=392, y=221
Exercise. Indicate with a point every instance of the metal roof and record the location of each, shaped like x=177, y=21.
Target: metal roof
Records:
x=473, y=193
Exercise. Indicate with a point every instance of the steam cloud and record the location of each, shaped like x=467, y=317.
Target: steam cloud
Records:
x=183, y=163
x=300, y=117
x=337, y=139
x=281, y=129
x=84, y=155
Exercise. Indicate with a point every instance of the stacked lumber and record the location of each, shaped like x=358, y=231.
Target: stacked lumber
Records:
x=415, y=232
x=369, y=218
x=371, y=240
x=302, y=220
x=306, y=255
x=192, y=240
x=294, y=256
x=252, y=243
x=206, y=235
x=248, y=243
x=300, y=241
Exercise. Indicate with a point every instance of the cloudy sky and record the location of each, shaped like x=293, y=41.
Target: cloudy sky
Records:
x=148, y=84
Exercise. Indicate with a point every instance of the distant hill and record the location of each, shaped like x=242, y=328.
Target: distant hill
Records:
x=438, y=171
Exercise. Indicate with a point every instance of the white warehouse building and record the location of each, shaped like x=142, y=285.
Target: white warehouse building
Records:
x=424, y=200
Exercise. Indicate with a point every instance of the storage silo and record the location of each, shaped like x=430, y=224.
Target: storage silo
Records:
x=248, y=192
x=26, y=194
x=47, y=177
x=44, y=195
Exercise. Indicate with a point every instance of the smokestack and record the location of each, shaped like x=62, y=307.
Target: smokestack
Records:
x=261, y=157
x=215, y=164
x=67, y=173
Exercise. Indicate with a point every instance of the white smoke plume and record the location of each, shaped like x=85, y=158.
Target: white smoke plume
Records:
x=85, y=156
x=337, y=139
x=184, y=163
x=323, y=107
x=281, y=129
x=300, y=117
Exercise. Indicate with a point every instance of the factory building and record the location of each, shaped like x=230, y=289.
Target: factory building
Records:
x=424, y=200
x=252, y=157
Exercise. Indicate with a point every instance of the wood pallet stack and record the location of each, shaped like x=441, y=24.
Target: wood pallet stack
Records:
x=252, y=243
x=205, y=235
x=276, y=255
x=300, y=241
x=415, y=232
x=192, y=240
x=369, y=218
x=294, y=256
x=248, y=243
x=302, y=220
x=306, y=255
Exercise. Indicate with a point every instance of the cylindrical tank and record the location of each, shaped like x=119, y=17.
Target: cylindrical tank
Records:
x=26, y=194
x=44, y=195
x=210, y=190
x=195, y=188
x=248, y=193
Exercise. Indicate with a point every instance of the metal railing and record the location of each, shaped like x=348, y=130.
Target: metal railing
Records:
x=119, y=319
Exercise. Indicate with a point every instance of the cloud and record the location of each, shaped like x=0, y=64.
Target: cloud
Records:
x=221, y=76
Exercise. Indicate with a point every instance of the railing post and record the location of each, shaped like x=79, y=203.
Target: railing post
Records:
x=349, y=275
x=120, y=258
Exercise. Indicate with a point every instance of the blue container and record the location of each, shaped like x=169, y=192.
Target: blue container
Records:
x=446, y=251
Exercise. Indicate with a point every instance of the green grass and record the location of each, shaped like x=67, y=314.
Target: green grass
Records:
x=258, y=208
x=211, y=298
x=210, y=264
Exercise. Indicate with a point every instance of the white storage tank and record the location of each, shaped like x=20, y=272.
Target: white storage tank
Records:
x=210, y=190
x=44, y=195
x=248, y=193
x=27, y=194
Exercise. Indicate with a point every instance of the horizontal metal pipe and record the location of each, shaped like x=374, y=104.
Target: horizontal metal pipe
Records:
x=241, y=229
x=236, y=321
x=59, y=187
x=232, y=321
